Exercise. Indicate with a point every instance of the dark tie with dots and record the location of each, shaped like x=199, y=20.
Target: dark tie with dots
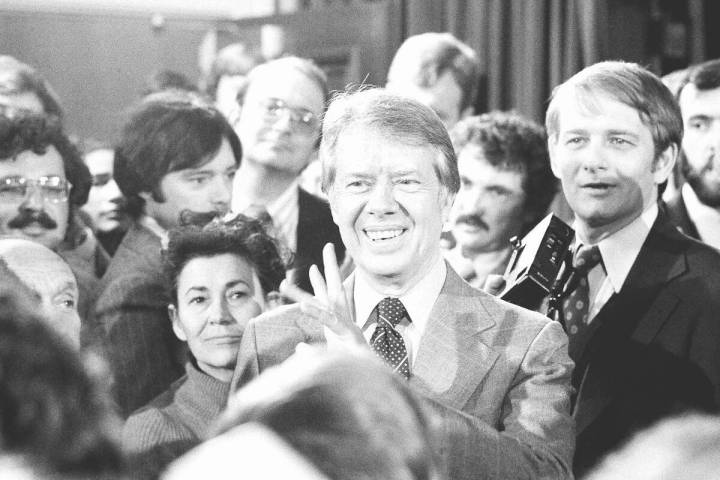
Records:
x=575, y=307
x=386, y=341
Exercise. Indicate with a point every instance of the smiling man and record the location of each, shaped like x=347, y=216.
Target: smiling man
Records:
x=497, y=376
x=506, y=187
x=174, y=163
x=641, y=312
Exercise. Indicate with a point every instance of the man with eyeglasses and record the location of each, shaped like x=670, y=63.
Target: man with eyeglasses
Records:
x=278, y=122
x=43, y=183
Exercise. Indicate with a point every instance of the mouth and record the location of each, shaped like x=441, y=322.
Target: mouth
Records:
x=597, y=187
x=224, y=339
x=379, y=235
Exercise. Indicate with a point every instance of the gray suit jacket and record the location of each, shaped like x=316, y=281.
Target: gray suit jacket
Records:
x=497, y=375
x=133, y=325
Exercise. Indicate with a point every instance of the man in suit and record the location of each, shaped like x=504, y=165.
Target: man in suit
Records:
x=696, y=208
x=174, y=164
x=278, y=122
x=642, y=322
x=439, y=71
x=496, y=375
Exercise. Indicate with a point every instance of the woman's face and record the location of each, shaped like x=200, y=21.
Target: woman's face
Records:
x=217, y=296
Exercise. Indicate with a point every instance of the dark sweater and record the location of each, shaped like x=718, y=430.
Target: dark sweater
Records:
x=175, y=421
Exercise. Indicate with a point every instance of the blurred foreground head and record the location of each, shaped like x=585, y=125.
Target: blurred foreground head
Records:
x=348, y=414
x=55, y=421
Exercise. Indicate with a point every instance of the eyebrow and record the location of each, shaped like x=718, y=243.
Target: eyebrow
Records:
x=229, y=284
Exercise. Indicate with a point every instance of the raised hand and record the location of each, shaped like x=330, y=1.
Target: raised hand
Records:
x=329, y=305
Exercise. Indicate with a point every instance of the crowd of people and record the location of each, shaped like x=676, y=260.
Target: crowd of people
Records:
x=259, y=277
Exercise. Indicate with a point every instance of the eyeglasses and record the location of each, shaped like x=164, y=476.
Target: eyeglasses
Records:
x=53, y=188
x=302, y=119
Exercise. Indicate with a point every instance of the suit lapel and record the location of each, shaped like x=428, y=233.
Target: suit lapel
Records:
x=451, y=361
x=641, y=310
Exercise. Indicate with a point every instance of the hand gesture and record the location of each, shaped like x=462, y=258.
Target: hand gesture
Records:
x=330, y=305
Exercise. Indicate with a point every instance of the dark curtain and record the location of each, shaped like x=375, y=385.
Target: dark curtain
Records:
x=526, y=47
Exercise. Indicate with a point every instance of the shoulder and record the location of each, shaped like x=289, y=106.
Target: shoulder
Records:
x=150, y=427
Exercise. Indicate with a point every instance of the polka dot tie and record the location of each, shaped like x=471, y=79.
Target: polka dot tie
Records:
x=386, y=341
x=575, y=307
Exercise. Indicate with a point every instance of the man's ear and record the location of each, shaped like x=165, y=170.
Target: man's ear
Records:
x=176, y=326
x=664, y=163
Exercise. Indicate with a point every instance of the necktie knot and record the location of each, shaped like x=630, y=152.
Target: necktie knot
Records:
x=391, y=310
x=585, y=258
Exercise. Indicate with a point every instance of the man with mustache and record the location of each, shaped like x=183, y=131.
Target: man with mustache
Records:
x=506, y=187
x=43, y=184
x=174, y=164
x=641, y=305
x=696, y=209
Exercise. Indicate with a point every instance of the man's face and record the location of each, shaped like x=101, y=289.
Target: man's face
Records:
x=604, y=158
x=204, y=189
x=389, y=204
x=701, y=143
x=489, y=208
x=268, y=125
x=50, y=277
x=443, y=97
x=34, y=212
x=106, y=205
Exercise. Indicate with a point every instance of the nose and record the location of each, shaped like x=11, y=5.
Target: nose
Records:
x=382, y=199
x=219, y=314
x=33, y=200
x=221, y=193
x=284, y=121
x=594, y=157
x=114, y=192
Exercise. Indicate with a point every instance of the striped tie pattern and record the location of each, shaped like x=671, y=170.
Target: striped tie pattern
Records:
x=386, y=341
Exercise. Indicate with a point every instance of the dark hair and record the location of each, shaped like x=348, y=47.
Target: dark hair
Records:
x=429, y=55
x=38, y=132
x=400, y=118
x=348, y=414
x=510, y=141
x=705, y=76
x=240, y=235
x=17, y=77
x=52, y=411
x=166, y=132
x=162, y=80
x=234, y=59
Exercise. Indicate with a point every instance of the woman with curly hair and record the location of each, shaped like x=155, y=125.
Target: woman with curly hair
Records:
x=219, y=278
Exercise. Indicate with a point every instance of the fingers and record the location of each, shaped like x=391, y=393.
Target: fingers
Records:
x=332, y=271
x=318, y=284
x=309, y=305
x=494, y=284
x=294, y=293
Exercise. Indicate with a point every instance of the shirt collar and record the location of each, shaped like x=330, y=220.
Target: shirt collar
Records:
x=418, y=300
x=288, y=197
x=152, y=225
x=620, y=249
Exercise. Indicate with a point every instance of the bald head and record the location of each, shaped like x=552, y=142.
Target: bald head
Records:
x=50, y=279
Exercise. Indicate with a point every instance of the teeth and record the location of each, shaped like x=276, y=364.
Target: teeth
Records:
x=383, y=234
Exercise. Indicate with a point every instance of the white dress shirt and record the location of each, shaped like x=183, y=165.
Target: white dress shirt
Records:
x=619, y=252
x=284, y=212
x=706, y=219
x=418, y=302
